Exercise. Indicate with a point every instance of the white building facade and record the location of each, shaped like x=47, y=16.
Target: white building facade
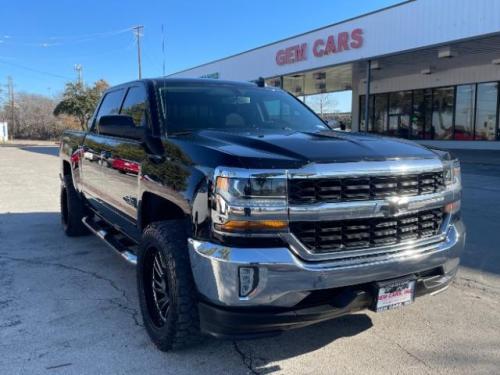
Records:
x=4, y=132
x=431, y=68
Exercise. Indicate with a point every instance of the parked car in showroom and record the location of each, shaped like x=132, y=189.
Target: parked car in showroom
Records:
x=246, y=215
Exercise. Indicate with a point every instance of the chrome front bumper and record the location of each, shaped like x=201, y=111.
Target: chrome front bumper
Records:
x=284, y=279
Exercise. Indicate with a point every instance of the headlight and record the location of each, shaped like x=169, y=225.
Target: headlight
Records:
x=453, y=182
x=250, y=205
x=452, y=174
x=261, y=188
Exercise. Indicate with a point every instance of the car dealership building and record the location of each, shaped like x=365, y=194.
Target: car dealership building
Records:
x=431, y=69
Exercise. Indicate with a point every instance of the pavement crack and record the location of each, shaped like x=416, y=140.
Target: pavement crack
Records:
x=129, y=310
x=463, y=283
x=246, y=359
x=418, y=359
x=410, y=354
x=58, y=366
x=134, y=313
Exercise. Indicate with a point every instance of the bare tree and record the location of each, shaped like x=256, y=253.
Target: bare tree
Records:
x=323, y=103
x=323, y=100
x=34, y=119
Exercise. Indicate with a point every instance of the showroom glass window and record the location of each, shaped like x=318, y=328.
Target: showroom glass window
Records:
x=464, y=112
x=486, y=114
x=442, y=113
x=362, y=126
x=422, y=114
x=399, y=114
x=380, y=113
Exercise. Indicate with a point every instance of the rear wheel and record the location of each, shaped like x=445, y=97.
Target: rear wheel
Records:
x=167, y=293
x=73, y=210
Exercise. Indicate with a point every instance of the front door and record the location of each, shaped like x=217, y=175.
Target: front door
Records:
x=121, y=165
x=94, y=147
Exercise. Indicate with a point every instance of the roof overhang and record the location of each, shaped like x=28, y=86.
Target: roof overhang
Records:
x=406, y=27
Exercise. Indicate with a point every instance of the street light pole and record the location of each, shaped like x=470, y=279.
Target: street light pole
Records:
x=78, y=69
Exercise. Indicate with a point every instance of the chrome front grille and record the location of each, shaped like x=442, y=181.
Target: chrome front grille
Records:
x=329, y=236
x=345, y=189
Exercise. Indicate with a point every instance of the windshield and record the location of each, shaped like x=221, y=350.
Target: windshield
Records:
x=196, y=107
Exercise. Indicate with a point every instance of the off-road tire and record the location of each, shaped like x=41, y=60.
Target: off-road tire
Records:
x=181, y=328
x=73, y=210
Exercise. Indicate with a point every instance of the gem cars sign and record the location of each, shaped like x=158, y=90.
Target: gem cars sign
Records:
x=321, y=47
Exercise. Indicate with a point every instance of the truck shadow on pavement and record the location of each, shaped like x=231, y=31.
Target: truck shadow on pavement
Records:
x=73, y=269
x=45, y=150
x=260, y=356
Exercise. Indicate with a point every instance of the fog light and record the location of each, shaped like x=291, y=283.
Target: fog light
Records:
x=452, y=208
x=248, y=280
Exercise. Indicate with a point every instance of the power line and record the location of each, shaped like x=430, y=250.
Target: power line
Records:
x=131, y=44
x=33, y=70
x=54, y=41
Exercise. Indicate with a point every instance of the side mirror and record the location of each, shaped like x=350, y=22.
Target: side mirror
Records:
x=119, y=126
x=153, y=145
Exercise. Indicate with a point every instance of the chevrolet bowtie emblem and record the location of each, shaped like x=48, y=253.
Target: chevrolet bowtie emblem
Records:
x=395, y=206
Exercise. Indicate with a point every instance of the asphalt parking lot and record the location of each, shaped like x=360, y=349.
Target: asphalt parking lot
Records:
x=69, y=306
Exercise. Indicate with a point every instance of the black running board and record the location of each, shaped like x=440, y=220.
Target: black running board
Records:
x=110, y=240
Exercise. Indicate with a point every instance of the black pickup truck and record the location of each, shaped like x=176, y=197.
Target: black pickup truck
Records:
x=246, y=215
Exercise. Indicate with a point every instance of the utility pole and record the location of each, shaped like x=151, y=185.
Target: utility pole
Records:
x=138, y=33
x=79, y=68
x=10, y=91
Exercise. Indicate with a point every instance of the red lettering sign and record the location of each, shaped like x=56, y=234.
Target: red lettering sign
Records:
x=357, y=37
x=343, y=41
x=317, y=48
x=292, y=54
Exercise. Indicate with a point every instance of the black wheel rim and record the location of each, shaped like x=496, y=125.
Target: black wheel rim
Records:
x=157, y=287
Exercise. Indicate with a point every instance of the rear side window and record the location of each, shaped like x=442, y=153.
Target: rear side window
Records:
x=110, y=104
x=135, y=105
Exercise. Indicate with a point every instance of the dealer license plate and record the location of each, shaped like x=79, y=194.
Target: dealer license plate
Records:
x=394, y=294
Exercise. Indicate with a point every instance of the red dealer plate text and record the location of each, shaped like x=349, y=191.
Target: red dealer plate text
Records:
x=394, y=294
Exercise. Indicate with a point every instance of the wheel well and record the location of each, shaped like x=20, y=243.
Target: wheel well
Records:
x=155, y=208
x=66, y=169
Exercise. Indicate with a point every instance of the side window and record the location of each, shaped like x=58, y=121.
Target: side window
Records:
x=110, y=104
x=135, y=105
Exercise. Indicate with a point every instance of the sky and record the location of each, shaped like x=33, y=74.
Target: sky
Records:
x=41, y=41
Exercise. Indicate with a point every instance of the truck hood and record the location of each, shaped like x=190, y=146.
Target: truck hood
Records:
x=287, y=149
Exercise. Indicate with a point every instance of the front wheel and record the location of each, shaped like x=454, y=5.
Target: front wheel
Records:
x=167, y=294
